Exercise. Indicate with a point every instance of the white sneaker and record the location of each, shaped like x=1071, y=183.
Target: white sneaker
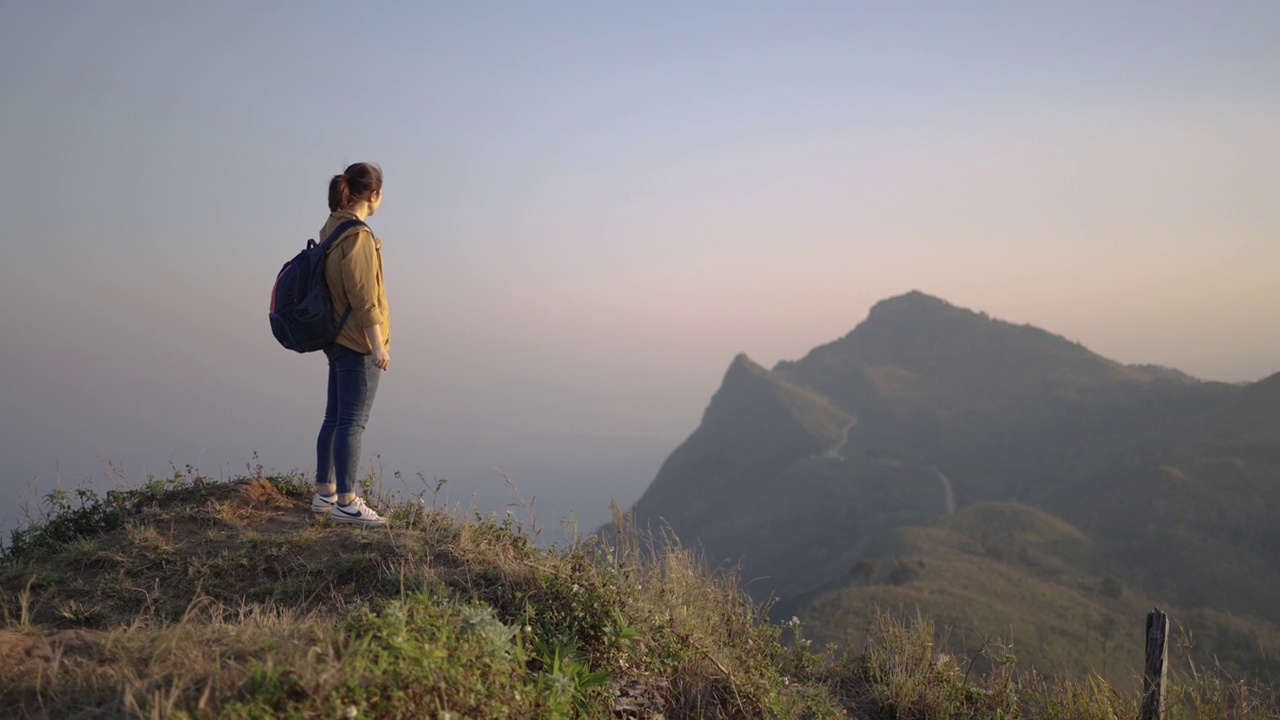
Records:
x=321, y=504
x=357, y=513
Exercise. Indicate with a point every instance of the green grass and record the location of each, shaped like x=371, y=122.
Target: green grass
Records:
x=192, y=599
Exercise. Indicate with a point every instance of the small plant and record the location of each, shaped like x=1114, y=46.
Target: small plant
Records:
x=567, y=679
x=61, y=522
x=482, y=622
x=293, y=485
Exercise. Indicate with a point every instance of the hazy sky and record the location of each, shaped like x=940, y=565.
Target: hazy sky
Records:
x=591, y=207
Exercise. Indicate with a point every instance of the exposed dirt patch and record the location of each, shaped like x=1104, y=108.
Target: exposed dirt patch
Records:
x=27, y=651
x=256, y=502
x=259, y=494
x=252, y=502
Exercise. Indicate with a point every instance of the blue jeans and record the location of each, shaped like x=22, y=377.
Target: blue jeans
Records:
x=353, y=381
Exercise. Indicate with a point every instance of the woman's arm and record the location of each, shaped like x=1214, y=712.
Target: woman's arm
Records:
x=359, y=279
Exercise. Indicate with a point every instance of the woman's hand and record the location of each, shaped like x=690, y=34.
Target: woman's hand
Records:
x=381, y=355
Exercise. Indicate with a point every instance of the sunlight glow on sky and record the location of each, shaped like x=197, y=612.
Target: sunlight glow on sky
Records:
x=592, y=207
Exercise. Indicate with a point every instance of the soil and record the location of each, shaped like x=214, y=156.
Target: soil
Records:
x=28, y=651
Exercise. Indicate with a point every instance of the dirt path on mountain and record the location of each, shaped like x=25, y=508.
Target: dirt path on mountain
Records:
x=833, y=452
x=949, y=498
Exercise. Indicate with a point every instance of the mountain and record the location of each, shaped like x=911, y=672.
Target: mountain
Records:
x=917, y=349
x=1004, y=407
x=767, y=458
x=756, y=425
x=894, y=465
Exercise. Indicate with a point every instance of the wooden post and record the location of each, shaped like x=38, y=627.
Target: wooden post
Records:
x=1157, y=668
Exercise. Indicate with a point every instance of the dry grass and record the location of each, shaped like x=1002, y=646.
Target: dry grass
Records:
x=202, y=600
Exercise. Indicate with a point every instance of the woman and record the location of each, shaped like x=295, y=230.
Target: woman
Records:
x=353, y=270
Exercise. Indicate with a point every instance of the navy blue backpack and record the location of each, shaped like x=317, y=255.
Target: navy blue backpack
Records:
x=301, y=307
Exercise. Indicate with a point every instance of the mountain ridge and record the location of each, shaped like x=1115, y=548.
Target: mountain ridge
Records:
x=935, y=340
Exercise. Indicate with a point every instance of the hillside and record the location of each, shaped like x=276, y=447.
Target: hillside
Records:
x=1006, y=570
x=187, y=598
x=1172, y=483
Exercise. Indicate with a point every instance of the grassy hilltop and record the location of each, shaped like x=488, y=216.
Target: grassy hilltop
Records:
x=195, y=599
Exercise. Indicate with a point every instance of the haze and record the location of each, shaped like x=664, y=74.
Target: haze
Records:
x=590, y=208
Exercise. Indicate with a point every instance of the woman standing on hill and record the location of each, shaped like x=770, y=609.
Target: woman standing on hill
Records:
x=361, y=353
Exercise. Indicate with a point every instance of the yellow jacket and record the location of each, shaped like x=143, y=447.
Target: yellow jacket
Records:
x=353, y=271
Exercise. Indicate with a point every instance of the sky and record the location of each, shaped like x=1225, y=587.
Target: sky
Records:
x=590, y=208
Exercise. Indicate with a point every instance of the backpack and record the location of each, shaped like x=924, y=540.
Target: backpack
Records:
x=301, y=308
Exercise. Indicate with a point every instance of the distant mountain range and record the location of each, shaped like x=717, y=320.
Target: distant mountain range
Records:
x=998, y=477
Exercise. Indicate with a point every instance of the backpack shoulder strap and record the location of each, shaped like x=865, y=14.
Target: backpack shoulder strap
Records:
x=343, y=226
x=324, y=249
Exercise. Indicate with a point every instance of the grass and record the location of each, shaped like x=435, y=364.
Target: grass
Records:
x=187, y=598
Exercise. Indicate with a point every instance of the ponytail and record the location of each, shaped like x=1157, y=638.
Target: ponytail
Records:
x=339, y=193
x=357, y=182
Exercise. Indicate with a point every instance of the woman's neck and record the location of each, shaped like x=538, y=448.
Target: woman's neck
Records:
x=360, y=209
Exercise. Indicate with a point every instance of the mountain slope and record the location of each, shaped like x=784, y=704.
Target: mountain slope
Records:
x=1172, y=482
x=1051, y=590
x=756, y=425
